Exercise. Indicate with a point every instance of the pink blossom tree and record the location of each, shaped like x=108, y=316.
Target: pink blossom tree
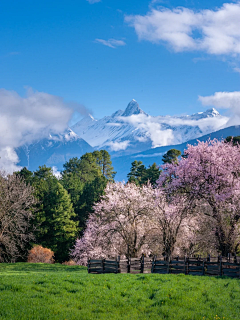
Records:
x=119, y=225
x=210, y=174
x=131, y=220
x=169, y=222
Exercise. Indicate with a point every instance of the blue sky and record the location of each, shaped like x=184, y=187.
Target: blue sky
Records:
x=102, y=54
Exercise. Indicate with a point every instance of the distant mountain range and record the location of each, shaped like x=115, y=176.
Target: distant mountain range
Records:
x=122, y=164
x=132, y=130
x=127, y=135
x=53, y=151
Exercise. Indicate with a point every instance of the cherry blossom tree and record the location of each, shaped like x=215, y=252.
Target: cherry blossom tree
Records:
x=131, y=220
x=120, y=224
x=209, y=174
x=169, y=222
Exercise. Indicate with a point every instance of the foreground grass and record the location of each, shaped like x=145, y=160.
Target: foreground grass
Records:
x=41, y=291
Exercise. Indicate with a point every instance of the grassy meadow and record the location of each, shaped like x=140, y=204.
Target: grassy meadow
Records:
x=43, y=291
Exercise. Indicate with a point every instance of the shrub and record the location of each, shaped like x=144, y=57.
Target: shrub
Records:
x=69, y=263
x=40, y=254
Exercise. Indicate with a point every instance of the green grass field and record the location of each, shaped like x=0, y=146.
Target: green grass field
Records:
x=41, y=291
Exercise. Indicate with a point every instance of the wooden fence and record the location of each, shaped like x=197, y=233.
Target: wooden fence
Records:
x=191, y=266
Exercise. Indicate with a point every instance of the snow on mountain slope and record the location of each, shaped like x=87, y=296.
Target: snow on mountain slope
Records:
x=132, y=130
x=122, y=164
x=109, y=129
x=53, y=151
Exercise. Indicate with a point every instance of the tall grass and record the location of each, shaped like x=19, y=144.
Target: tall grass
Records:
x=41, y=291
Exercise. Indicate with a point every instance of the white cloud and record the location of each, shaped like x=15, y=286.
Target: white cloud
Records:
x=152, y=127
x=116, y=146
x=225, y=100
x=23, y=120
x=149, y=155
x=93, y=1
x=214, y=31
x=56, y=173
x=8, y=160
x=112, y=43
x=167, y=130
x=236, y=70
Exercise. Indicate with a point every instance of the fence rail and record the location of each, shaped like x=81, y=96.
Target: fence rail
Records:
x=191, y=266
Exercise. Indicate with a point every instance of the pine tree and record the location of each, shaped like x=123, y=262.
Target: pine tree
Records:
x=152, y=174
x=235, y=140
x=103, y=160
x=85, y=179
x=57, y=228
x=137, y=173
x=171, y=156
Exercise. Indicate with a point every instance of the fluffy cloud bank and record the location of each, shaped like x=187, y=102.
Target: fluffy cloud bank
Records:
x=167, y=130
x=26, y=119
x=225, y=100
x=214, y=31
x=117, y=146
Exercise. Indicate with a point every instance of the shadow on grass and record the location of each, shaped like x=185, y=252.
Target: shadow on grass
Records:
x=39, y=267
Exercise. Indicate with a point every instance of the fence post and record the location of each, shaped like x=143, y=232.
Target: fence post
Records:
x=235, y=257
x=142, y=263
x=118, y=264
x=103, y=265
x=187, y=259
x=220, y=265
x=88, y=264
x=129, y=265
x=153, y=263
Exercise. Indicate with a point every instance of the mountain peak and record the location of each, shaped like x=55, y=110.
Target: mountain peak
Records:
x=132, y=108
x=212, y=112
x=209, y=113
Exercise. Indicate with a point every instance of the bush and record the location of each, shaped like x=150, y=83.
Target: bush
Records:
x=40, y=254
x=69, y=263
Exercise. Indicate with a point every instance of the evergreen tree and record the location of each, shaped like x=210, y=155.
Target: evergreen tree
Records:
x=85, y=179
x=235, y=140
x=152, y=174
x=25, y=174
x=91, y=194
x=57, y=229
x=141, y=175
x=171, y=156
x=137, y=173
x=103, y=160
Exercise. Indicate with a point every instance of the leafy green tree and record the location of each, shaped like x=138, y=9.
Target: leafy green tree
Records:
x=103, y=160
x=235, y=140
x=171, y=156
x=152, y=174
x=137, y=173
x=25, y=174
x=91, y=194
x=85, y=179
x=56, y=228
x=140, y=175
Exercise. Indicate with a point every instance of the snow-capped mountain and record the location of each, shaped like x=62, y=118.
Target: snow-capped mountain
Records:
x=124, y=133
x=111, y=131
x=132, y=130
x=53, y=151
x=122, y=164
